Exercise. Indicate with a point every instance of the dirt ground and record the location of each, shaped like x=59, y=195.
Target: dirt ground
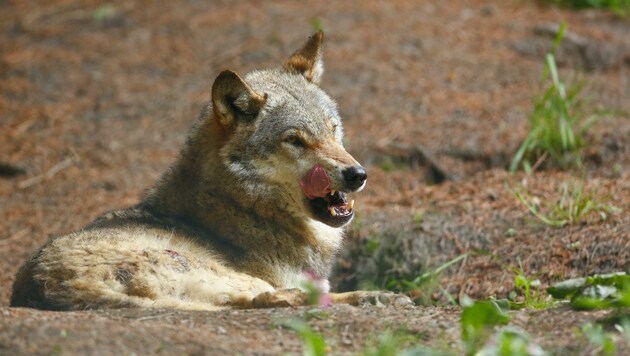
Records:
x=95, y=101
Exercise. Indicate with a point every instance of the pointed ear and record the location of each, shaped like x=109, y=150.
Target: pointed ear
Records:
x=233, y=99
x=308, y=60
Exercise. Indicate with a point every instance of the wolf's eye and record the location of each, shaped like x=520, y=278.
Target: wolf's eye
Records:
x=295, y=141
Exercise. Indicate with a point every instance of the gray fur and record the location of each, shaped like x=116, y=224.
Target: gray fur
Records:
x=227, y=222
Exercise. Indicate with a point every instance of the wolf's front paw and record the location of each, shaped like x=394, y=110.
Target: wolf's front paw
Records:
x=281, y=298
x=379, y=299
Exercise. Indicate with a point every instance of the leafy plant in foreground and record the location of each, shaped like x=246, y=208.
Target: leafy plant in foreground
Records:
x=398, y=343
x=557, y=122
x=480, y=336
x=511, y=341
x=598, y=337
x=624, y=328
x=389, y=343
x=478, y=320
x=601, y=291
x=314, y=342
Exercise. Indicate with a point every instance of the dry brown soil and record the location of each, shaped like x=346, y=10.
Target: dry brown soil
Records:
x=95, y=101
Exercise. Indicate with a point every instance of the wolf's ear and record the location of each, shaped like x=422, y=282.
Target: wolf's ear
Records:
x=234, y=99
x=308, y=61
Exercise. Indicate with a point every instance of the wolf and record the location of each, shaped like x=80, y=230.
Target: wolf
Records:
x=254, y=208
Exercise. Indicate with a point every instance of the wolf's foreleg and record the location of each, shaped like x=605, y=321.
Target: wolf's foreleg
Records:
x=295, y=297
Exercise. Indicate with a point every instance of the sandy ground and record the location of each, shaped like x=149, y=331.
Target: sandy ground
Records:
x=95, y=101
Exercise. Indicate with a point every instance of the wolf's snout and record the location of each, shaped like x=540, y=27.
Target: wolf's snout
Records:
x=354, y=177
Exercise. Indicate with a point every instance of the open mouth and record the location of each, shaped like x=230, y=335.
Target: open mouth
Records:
x=332, y=209
x=327, y=205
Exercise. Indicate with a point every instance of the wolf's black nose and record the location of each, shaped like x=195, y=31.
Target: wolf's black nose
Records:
x=354, y=176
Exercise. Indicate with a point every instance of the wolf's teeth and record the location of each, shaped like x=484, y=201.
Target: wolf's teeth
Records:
x=332, y=211
x=351, y=204
x=332, y=192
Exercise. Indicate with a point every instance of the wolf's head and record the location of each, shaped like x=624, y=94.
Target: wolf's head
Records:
x=283, y=138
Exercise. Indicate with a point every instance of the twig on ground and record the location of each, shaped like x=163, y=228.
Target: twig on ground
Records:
x=18, y=235
x=51, y=173
x=157, y=316
x=540, y=160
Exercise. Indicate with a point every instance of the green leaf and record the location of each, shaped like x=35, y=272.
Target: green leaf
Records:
x=596, y=292
x=597, y=336
x=511, y=341
x=566, y=289
x=314, y=343
x=477, y=321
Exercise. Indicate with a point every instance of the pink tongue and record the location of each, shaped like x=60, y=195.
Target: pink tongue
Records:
x=315, y=184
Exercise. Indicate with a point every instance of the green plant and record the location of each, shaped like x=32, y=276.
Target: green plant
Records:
x=387, y=345
x=620, y=7
x=510, y=341
x=104, y=13
x=357, y=222
x=601, y=291
x=390, y=164
x=478, y=320
x=314, y=342
x=316, y=24
x=421, y=287
x=529, y=288
x=624, y=328
x=401, y=342
x=574, y=206
x=57, y=350
x=392, y=343
x=598, y=337
x=557, y=122
x=418, y=217
x=480, y=336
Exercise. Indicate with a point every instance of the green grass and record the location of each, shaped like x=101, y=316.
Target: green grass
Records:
x=483, y=326
x=388, y=344
x=574, y=205
x=558, y=122
x=422, y=287
x=529, y=288
x=510, y=341
x=620, y=7
x=104, y=13
x=316, y=24
x=478, y=321
x=624, y=328
x=398, y=342
x=314, y=343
